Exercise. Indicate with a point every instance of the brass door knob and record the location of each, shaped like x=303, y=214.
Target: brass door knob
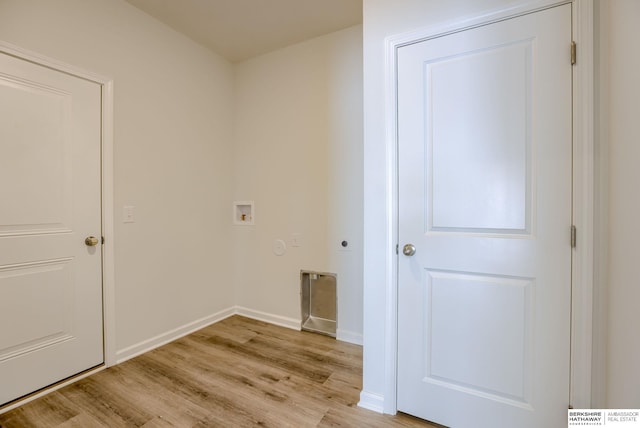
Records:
x=409, y=250
x=91, y=241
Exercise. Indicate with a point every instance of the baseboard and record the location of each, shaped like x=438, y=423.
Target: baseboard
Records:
x=171, y=335
x=371, y=401
x=291, y=323
x=349, y=336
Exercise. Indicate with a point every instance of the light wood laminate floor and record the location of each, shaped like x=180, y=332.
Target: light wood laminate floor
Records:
x=236, y=373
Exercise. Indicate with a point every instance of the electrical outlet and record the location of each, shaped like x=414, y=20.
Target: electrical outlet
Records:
x=279, y=247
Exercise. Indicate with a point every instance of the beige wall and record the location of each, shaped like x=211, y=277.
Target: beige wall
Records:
x=298, y=156
x=173, y=158
x=174, y=162
x=622, y=57
x=298, y=139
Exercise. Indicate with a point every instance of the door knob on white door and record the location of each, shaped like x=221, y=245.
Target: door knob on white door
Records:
x=409, y=250
x=91, y=241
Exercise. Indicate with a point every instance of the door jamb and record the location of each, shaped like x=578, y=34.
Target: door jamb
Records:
x=108, y=267
x=584, y=200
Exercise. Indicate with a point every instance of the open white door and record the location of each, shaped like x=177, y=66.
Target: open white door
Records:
x=50, y=202
x=485, y=152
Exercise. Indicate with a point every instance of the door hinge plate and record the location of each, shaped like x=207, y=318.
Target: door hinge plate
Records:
x=573, y=53
x=574, y=232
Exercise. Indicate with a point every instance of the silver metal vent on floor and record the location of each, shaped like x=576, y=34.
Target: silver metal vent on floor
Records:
x=319, y=302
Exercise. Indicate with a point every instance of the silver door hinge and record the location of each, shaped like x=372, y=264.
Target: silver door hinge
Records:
x=573, y=53
x=574, y=232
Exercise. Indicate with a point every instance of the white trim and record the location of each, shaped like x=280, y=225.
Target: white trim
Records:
x=583, y=206
x=601, y=204
x=292, y=323
x=391, y=312
x=54, y=64
x=108, y=229
x=349, y=336
x=371, y=401
x=462, y=24
x=50, y=389
x=108, y=269
x=583, y=203
x=171, y=335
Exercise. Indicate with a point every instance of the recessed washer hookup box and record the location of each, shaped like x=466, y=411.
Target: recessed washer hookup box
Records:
x=318, y=302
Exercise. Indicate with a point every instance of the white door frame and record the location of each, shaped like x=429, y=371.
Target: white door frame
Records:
x=584, y=200
x=108, y=284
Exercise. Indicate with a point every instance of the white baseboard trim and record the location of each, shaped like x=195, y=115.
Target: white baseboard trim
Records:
x=370, y=401
x=171, y=335
x=292, y=323
x=349, y=336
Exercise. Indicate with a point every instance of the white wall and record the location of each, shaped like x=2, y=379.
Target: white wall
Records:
x=172, y=148
x=623, y=60
x=298, y=138
x=298, y=156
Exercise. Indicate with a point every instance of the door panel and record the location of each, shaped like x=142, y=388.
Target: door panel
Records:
x=491, y=142
x=42, y=296
x=39, y=201
x=484, y=127
x=50, y=281
x=465, y=312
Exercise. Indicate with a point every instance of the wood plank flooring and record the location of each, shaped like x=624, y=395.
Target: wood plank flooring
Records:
x=236, y=373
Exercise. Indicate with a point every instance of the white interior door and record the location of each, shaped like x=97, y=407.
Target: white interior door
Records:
x=485, y=198
x=50, y=281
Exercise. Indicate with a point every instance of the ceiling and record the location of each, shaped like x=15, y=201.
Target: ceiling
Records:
x=241, y=29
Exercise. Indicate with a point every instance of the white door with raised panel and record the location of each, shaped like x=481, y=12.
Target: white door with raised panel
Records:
x=484, y=271
x=50, y=279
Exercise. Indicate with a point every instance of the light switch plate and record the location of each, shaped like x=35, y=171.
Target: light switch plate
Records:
x=128, y=214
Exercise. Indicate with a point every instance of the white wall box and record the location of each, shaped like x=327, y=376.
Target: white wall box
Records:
x=243, y=212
